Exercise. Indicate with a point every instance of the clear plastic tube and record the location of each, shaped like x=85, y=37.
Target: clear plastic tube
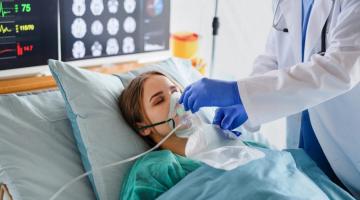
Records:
x=74, y=180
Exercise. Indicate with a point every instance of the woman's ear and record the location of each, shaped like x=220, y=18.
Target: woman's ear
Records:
x=144, y=132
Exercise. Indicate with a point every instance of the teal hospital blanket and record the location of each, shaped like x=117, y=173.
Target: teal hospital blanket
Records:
x=154, y=174
x=279, y=175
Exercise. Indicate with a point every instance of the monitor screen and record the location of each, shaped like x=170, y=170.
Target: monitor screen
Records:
x=28, y=33
x=103, y=28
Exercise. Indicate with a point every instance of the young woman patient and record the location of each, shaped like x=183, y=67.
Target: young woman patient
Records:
x=149, y=106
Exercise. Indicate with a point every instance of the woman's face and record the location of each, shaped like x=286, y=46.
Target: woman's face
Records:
x=157, y=90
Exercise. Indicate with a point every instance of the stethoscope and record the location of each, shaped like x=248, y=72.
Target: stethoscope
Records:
x=275, y=25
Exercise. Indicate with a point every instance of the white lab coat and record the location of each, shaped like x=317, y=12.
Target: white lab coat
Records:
x=326, y=85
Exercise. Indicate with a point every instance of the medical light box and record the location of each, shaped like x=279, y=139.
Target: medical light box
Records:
x=107, y=28
x=28, y=33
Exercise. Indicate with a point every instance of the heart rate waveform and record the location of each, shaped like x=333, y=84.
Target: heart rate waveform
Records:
x=4, y=12
x=16, y=8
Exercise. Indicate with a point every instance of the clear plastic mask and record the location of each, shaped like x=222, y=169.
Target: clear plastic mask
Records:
x=178, y=113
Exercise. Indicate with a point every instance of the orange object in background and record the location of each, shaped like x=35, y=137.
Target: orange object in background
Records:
x=185, y=45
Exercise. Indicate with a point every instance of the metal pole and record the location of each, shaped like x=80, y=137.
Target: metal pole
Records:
x=215, y=28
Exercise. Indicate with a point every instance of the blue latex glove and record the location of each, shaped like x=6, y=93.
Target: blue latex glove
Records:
x=209, y=92
x=231, y=117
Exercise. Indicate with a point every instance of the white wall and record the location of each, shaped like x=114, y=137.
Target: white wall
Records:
x=242, y=35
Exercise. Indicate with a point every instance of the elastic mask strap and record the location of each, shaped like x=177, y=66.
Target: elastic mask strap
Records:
x=159, y=123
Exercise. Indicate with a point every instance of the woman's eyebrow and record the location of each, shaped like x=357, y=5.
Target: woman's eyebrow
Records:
x=156, y=94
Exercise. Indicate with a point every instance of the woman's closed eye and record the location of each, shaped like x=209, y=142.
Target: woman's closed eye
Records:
x=158, y=100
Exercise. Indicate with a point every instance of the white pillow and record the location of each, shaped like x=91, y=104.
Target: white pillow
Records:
x=38, y=153
x=101, y=133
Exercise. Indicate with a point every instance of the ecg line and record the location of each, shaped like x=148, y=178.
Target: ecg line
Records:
x=4, y=29
x=3, y=12
x=6, y=51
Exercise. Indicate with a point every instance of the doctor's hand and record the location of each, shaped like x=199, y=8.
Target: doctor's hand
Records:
x=210, y=92
x=231, y=117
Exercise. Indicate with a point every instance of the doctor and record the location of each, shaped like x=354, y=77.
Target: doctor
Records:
x=309, y=72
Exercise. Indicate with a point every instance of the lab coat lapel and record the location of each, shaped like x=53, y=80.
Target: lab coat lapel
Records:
x=319, y=14
x=291, y=9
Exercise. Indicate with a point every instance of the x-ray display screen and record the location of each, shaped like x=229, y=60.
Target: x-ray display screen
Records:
x=101, y=28
x=28, y=33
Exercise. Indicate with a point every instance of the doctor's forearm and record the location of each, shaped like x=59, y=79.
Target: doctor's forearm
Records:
x=280, y=93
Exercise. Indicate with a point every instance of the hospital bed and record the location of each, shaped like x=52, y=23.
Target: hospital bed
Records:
x=32, y=86
x=64, y=161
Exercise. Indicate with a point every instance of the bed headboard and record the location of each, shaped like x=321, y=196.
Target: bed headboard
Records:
x=37, y=83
